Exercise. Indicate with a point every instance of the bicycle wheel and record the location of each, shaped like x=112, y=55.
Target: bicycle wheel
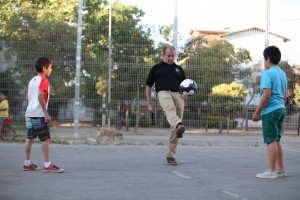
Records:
x=8, y=133
x=12, y=132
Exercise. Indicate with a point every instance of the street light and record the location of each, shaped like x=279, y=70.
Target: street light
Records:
x=78, y=66
x=175, y=29
x=109, y=65
x=267, y=31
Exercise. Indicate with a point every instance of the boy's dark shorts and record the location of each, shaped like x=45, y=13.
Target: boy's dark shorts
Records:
x=2, y=119
x=37, y=127
x=272, y=125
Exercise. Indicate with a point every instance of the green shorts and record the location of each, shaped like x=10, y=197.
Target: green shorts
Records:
x=272, y=125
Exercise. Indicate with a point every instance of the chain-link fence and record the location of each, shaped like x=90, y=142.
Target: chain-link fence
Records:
x=223, y=64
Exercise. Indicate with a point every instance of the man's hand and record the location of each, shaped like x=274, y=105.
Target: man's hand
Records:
x=150, y=107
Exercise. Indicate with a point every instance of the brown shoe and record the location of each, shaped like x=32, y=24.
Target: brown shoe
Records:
x=171, y=161
x=179, y=130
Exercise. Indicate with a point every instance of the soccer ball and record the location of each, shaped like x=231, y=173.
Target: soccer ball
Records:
x=188, y=87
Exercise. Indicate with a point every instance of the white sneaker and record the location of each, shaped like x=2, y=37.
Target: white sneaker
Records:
x=267, y=174
x=282, y=173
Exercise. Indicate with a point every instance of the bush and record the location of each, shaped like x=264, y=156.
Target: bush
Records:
x=212, y=122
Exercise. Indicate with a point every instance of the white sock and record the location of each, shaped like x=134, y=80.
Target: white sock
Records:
x=27, y=162
x=47, y=164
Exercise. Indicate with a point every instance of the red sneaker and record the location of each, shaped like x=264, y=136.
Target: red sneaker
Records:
x=53, y=168
x=31, y=167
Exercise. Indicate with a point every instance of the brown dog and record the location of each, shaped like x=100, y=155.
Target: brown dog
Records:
x=108, y=132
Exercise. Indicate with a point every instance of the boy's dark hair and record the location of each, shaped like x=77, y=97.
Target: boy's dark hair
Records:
x=3, y=92
x=273, y=53
x=42, y=62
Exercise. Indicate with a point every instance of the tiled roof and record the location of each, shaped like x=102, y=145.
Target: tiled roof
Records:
x=254, y=29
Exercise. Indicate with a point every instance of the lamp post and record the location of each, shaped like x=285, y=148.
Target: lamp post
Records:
x=175, y=29
x=103, y=109
x=109, y=65
x=78, y=66
x=267, y=32
x=205, y=105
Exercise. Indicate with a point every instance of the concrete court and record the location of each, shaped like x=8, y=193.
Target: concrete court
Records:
x=141, y=173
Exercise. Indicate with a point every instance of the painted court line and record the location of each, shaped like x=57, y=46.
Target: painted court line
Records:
x=180, y=175
x=291, y=150
x=231, y=194
x=234, y=195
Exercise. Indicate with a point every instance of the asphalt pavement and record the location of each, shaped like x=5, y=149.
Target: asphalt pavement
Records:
x=135, y=172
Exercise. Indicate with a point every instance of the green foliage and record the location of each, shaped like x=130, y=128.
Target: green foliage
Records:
x=297, y=95
x=129, y=58
x=213, y=121
x=101, y=85
x=193, y=46
x=163, y=121
x=144, y=122
x=212, y=63
x=242, y=56
x=12, y=87
x=233, y=89
x=227, y=98
x=292, y=91
x=40, y=28
x=32, y=28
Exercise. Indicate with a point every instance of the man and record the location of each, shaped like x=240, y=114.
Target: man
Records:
x=167, y=76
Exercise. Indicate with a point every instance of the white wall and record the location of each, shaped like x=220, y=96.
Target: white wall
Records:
x=254, y=42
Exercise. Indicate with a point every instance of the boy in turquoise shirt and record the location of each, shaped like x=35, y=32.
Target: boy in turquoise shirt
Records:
x=271, y=110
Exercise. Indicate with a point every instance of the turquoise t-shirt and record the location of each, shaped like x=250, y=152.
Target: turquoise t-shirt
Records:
x=275, y=79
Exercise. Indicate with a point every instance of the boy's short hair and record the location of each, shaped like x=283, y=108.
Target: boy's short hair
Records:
x=42, y=62
x=273, y=53
x=3, y=92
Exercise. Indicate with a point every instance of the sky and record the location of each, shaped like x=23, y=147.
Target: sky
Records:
x=221, y=14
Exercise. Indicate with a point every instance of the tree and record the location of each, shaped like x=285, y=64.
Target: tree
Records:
x=34, y=28
x=132, y=50
x=297, y=95
x=212, y=64
x=226, y=100
x=31, y=28
x=13, y=96
x=192, y=46
x=293, y=80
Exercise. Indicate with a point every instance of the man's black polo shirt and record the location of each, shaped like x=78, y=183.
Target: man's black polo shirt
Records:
x=165, y=77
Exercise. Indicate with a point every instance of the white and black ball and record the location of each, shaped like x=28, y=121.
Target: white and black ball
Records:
x=188, y=87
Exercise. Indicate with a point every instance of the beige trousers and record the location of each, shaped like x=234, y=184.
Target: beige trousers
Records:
x=173, y=106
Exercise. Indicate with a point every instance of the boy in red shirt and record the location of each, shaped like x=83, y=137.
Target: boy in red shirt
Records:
x=37, y=117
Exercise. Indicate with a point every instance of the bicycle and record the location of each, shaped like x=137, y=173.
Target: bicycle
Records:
x=7, y=131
